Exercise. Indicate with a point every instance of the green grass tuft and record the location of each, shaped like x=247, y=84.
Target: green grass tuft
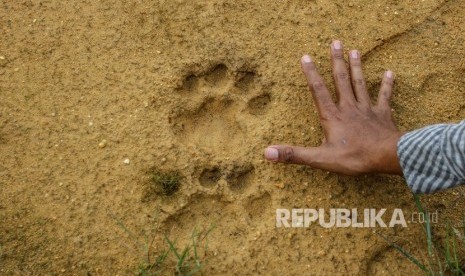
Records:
x=170, y=259
x=164, y=182
x=442, y=259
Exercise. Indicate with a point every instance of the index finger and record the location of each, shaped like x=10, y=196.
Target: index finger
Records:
x=324, y=103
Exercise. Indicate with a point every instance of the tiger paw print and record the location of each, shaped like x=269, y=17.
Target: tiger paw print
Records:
x=221, y=108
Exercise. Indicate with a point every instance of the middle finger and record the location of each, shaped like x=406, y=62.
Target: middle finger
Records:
x=344, y=90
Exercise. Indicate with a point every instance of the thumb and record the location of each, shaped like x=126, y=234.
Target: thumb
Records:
x=293, y=155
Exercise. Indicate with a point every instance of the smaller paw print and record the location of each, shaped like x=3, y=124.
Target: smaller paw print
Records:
x=238, y=177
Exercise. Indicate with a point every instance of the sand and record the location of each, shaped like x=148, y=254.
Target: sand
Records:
x=96, y=94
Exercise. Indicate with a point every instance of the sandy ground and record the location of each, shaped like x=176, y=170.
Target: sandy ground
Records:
x=202, y=87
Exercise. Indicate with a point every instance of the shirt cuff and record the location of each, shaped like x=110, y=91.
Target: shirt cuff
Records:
x=423, y=161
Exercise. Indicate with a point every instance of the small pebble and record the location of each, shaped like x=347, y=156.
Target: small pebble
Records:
x=126, y=161
x=280, y=185
x=91, y=123
x=102, y=144
x=16, y=69
x=2, y=57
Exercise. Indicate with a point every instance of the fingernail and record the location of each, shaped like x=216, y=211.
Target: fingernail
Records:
x=271, y=154
x=306, y=59
x=389, y=74
x=354, y=54
x=337, y=45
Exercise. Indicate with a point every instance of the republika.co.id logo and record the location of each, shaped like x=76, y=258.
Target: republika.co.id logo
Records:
x=342, y=217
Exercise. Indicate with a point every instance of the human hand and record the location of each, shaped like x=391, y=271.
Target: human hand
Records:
x=359, y=137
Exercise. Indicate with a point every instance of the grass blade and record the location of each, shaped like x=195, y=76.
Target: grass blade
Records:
x=406, y=254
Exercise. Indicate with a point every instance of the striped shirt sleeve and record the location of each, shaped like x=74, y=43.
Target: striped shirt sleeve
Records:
x=433, y=158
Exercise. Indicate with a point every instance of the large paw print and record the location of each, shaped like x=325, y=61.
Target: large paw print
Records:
x=221, y=106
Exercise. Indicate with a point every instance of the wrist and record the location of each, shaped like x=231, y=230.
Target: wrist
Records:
x=386, y=160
